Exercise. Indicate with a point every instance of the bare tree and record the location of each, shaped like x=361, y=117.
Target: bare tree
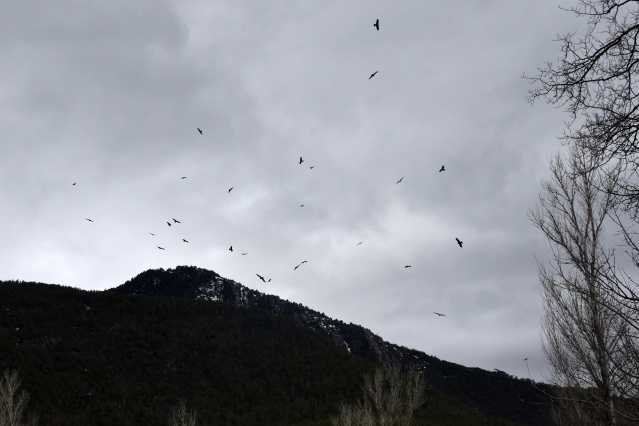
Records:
x=583, y=319
x=595, y=79
x=12, y=403
x=391, y=398
x=354, y=415
x=181, y=416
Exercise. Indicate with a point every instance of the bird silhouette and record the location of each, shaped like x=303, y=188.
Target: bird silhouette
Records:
x=198, y=129
x=437, y=313
x=373, y=75
x=152, y=234
x=231, y=189
x=304, y=261
x=360, y=243
x=407, y=266
x=269, y=280
x=231, y=249
x=442, y=169
x=296, y=267
x=161, y=248
x=176, y=221
x=301, y=205
x=301, y=161
x=261, y=277
x=459, y=242
x=183, y=177
x=74, y=183
x=376, y=24
x=525, y=359
x=312, y=167
x=168, y=223
x=244, y=254
x=88, y=219
x=399, y=180
x=184, y=240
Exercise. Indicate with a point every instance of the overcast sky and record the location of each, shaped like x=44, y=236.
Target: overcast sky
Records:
x=109, y=96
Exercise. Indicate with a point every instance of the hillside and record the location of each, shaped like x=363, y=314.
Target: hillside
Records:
x=116, y=358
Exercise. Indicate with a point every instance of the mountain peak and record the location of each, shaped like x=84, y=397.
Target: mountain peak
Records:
x=196, y=283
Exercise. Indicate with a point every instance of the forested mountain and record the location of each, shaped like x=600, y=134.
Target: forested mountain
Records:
x=239, y=357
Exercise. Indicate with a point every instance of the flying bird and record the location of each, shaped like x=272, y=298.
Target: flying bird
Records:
x=231, y=189
x=183, y=177
x=269, y=280
x=244, y=254
x=168, y=223
x=373, y=75
x=198, y=129
x=526, y=359
x=296, y=267
x=88, y=219
x=176, y=221
x=261, y=277
x=312, y=167
x=304, y=261
x=407, y=266
x=376, y=24
x=184, y=240
x=360, y=243
x=152, y=234
x=73, y=183
x=437, y=313
x=231, y=249
x=399, y=180
x=161, y=248
x=459, y=242
x=301, y=161
x=442, y=169
x=301, y=205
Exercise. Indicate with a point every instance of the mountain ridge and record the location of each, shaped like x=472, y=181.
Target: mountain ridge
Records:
x=202, y=284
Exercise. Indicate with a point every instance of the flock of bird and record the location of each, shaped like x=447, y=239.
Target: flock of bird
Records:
x=301, y=160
